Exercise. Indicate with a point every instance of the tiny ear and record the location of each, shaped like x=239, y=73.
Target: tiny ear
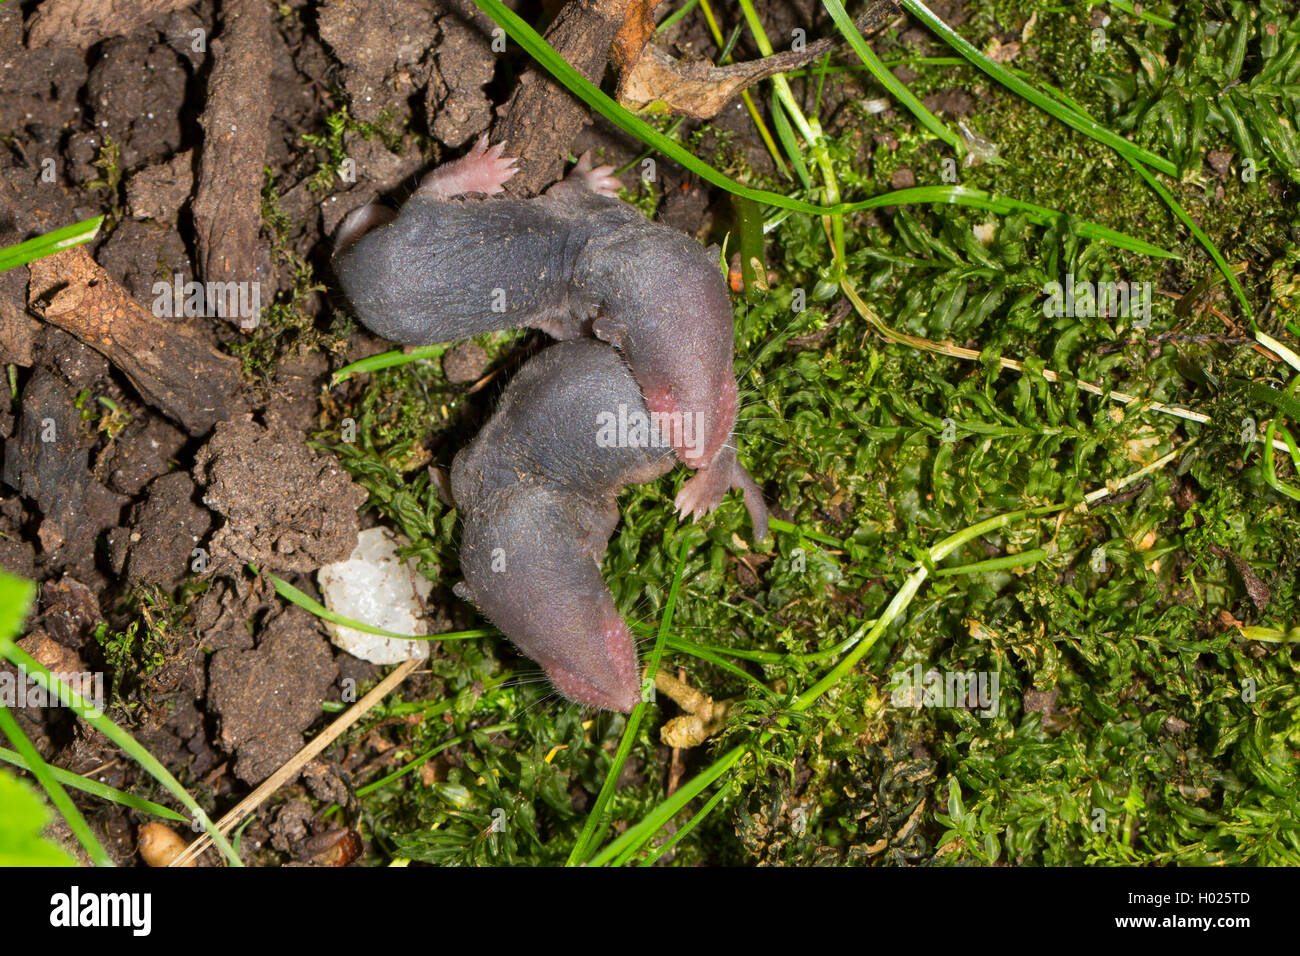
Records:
x=609, y=330
x=441, y=482
x=359, y=222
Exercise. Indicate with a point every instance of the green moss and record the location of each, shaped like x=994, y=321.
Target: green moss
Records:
x=333, y=142
x=109, y=180
x=155, y=633
x=289, y=325
x=1135, y=724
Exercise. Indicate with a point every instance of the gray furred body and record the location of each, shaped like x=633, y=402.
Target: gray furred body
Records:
x=574, y=261
x=537, y=492
x=446, y=270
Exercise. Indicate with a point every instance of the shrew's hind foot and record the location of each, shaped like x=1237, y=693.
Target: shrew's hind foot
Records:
x=482, y=170
x=359, y=222
x=704, y=490
x=599, y=179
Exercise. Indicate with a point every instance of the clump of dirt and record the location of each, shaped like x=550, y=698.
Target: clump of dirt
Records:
x=158, y=192
x=48, y=462
x=162, y=537
x=266, y=697
x=456, y=104
x=133, y=91
x=145, y=448
x=287, y=508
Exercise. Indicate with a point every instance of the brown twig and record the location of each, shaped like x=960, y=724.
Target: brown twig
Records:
x=542, y=118
x=236, y=126
x=173, y=365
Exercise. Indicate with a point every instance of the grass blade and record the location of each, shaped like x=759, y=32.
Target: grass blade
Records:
x=15, y=598
x=1201, y=237
x=545, y=55
x=1136, y=156
x=589, y=93
x=47, y=245
x=375, y=363
x=595, y=825
x=101, y=790
x=655, y=820
x=885, y=77
x=863, y=639
x=1079, y=121
x=653, y=856
x=53, y=789
x=294, y=596
x=1042, y=215
x=117, y=735
x=1132, y=10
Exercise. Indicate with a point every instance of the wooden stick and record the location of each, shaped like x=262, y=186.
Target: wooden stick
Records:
x=543, y=118
x=172, y=363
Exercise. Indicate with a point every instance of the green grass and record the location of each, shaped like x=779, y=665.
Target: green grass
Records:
x=16, y=598
x=934, y=504
x=32, y=249
x=21, y=825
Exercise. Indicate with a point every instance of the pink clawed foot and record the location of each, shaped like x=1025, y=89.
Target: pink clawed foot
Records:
x=702, y=492
x=599, y=179
x=482, y=170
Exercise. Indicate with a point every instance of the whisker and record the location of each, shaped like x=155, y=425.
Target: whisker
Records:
x=537, y=703
x=524, y=682
x=762, y=345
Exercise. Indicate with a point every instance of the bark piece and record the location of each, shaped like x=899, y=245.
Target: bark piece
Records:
x=83, y=23
x=236, y=126
x=542, y=118
x=700, y=89
x=172, y=364
x=637, y=29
